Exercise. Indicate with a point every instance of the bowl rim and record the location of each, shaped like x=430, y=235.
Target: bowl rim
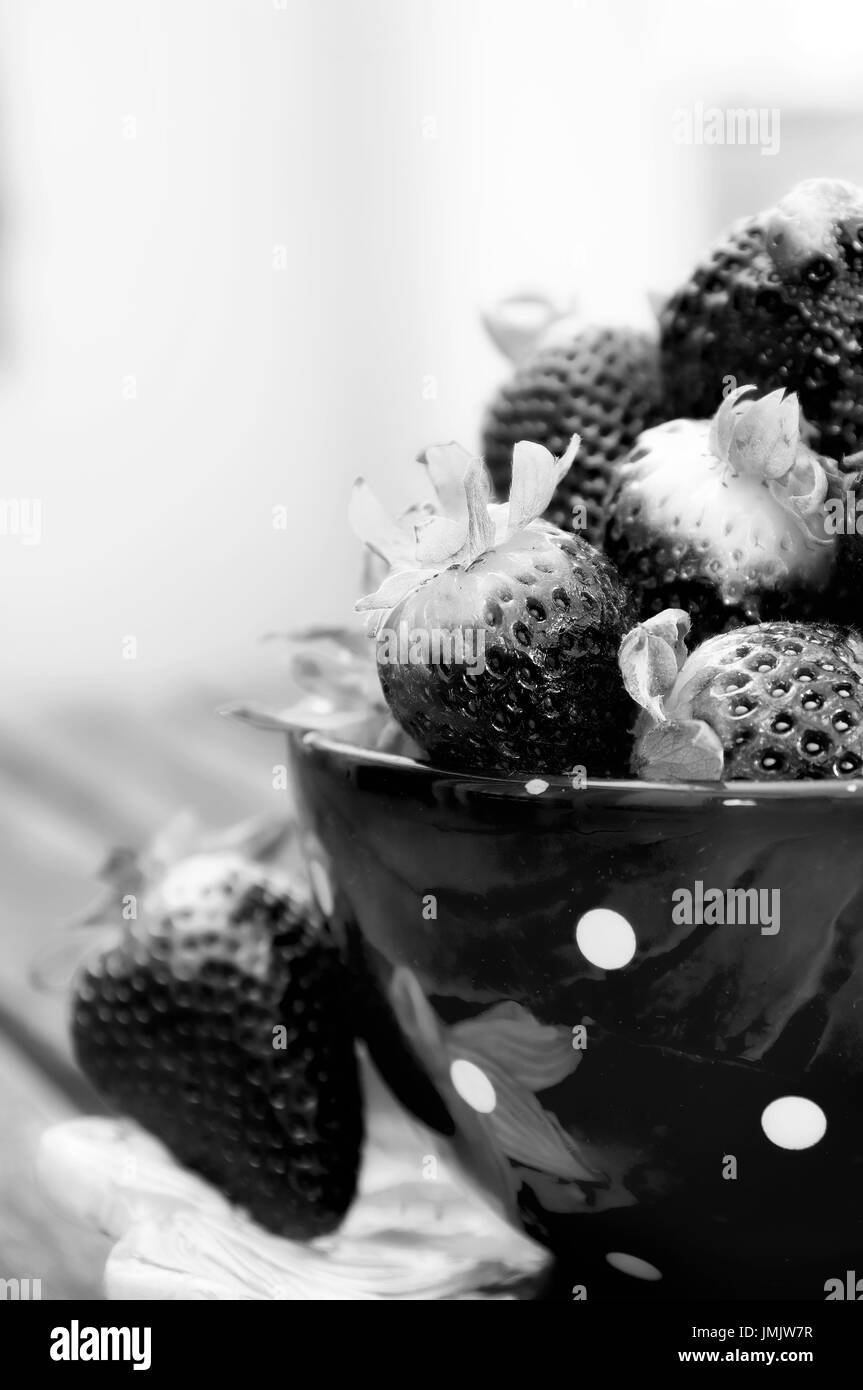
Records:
x=735, y=793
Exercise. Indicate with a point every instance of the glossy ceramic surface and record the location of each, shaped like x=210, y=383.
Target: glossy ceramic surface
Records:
x=617, y=1111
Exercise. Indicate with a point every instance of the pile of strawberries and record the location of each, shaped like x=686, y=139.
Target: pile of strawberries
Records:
x=657, y=494
x=715, y=473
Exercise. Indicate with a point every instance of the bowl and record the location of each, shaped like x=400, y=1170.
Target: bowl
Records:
x=634, y=1009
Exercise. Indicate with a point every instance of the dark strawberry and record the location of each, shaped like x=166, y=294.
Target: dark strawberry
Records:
x=778, y=302
x=726, y=518
x=601, y=383
x=497, y=639
x=179, y=1025
x=777, y=701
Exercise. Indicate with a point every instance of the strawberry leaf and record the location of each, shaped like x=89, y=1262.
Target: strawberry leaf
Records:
x=723, y=422
x=765, y=437
x=516, y=324
x=447, y=465
x=534, y=478
x=650, y=657
x=685, y=750
x=376, y=529
x=480, y=534
x=394, y=588
x=441, y=541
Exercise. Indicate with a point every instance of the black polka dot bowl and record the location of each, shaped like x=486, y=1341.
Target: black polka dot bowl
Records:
x=635, y=1009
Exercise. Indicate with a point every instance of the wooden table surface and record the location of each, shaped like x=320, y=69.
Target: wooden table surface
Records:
x=74, y=784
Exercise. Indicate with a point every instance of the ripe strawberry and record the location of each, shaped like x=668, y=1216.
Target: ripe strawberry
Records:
x=175, y=1026
x=777, y=701
x=599, y=383
x=497, y=638
x=778, y=301
x=726, y=518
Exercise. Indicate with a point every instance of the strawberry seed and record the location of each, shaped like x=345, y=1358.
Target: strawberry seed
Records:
x=772, y=762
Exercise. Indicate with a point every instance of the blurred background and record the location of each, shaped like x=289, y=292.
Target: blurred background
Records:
x=244, y=246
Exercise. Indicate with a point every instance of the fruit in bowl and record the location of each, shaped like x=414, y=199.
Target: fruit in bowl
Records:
x=727, y=518
x=776, y=301
x=774, y=701
x=599, y=381
x=617, y=1056
x=497, y=637
x=617, y=985
x=583, y=822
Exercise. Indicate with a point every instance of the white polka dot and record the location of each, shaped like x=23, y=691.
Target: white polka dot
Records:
x=631, y=1264
x=536, y=786
x=473, y=1086
x=321, y=887
x=792, y=1122
x=605, y=938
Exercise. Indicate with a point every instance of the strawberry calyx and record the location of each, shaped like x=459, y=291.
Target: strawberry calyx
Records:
x=651, y=656
x=762, y=439
x=260, y=839
x=129, y=881
x=519, y=324
x=662, y=678
x=466, y=525
x=681, y=750
x=339, y=690
x=340, y=693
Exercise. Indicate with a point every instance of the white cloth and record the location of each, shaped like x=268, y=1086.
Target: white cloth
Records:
x=415, y=1231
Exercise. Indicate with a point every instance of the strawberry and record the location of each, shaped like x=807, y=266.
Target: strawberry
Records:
x=176, y=1025
x=497, y=632
x=776, y=701
x=778, y=301
x=726, y=518
x=599, y=382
